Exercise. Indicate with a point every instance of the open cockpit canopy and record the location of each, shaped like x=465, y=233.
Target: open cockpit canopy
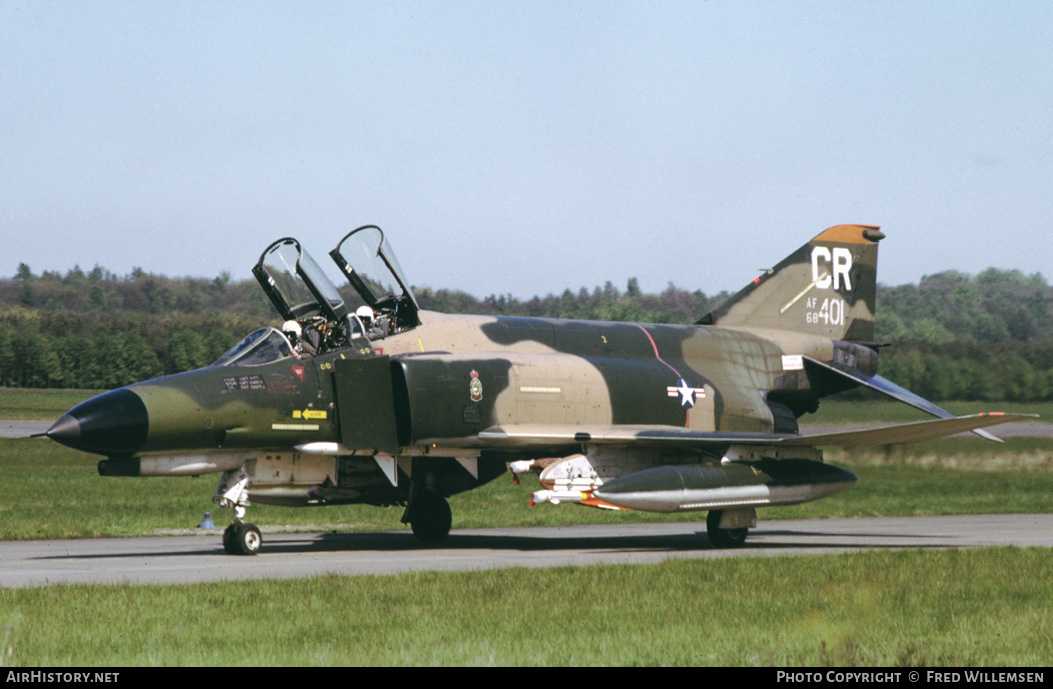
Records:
x=301, y=292
x=296, y=285
x=366, y=259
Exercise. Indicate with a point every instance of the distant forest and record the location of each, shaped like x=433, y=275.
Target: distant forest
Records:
x=953, y=336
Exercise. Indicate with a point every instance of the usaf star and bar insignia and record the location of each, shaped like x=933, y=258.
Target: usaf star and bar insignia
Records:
x=687, y=394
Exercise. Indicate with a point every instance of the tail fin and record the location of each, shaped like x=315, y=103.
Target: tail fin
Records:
x=826, y=287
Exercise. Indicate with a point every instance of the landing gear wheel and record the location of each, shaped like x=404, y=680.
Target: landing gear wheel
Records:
x=724, y=538
x=228, y=539
x=242, y=539
x=431, y=518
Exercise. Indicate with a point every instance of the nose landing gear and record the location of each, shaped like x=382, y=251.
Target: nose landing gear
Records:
x=232, y=491
x=242, y=539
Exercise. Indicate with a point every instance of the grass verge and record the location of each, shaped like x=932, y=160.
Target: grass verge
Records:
x=878, y=409
x=865, y=609
x=53, y=492
x=23, y=404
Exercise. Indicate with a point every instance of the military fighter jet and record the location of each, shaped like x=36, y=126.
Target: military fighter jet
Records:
x=385, y=404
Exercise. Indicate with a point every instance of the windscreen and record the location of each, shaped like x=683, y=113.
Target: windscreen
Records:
x=258, y=347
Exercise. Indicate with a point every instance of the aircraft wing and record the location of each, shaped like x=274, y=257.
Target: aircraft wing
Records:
x=557, y=436
x=888, y=388
x=913, y=432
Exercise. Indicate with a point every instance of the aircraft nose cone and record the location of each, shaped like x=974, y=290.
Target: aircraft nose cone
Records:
x=113, y=423
x=66, y=430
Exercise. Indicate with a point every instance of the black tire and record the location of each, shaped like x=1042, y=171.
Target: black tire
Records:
x=245, y=539
x=228, y=539
x=432, y=518
x=723, y=538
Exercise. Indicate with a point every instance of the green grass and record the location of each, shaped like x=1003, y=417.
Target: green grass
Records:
x=39, y=405
x=879, y=409
x=864, y=609
x=53, y=492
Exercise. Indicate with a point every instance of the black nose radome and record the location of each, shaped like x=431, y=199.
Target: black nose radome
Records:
x=114, y=423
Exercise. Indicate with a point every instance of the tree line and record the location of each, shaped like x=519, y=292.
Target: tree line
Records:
x=952, y=335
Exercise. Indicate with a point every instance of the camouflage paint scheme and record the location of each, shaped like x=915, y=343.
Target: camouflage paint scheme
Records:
x=613, y=415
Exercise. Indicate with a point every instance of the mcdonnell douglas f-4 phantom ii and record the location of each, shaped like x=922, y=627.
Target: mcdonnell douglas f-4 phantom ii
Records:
x=387, y=404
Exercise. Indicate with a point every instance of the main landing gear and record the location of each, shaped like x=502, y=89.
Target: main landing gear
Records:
x=232, y=491
x=728, y=528
x=428, y=514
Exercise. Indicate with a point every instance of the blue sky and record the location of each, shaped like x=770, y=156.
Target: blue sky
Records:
x=526, y=148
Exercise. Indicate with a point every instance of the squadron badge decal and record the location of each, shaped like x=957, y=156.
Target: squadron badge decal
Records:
x=475, y=388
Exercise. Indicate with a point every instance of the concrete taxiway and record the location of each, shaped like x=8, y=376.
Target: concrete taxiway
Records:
x=200, y=558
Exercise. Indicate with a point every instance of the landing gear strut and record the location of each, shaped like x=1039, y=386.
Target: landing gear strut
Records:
x=728, y=528
x=233, y=491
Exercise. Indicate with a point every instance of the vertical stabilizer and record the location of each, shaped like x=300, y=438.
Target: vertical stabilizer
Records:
x=826, y=287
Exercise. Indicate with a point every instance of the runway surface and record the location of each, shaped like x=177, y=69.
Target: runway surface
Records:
x=200, y=558
x=22, y=429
